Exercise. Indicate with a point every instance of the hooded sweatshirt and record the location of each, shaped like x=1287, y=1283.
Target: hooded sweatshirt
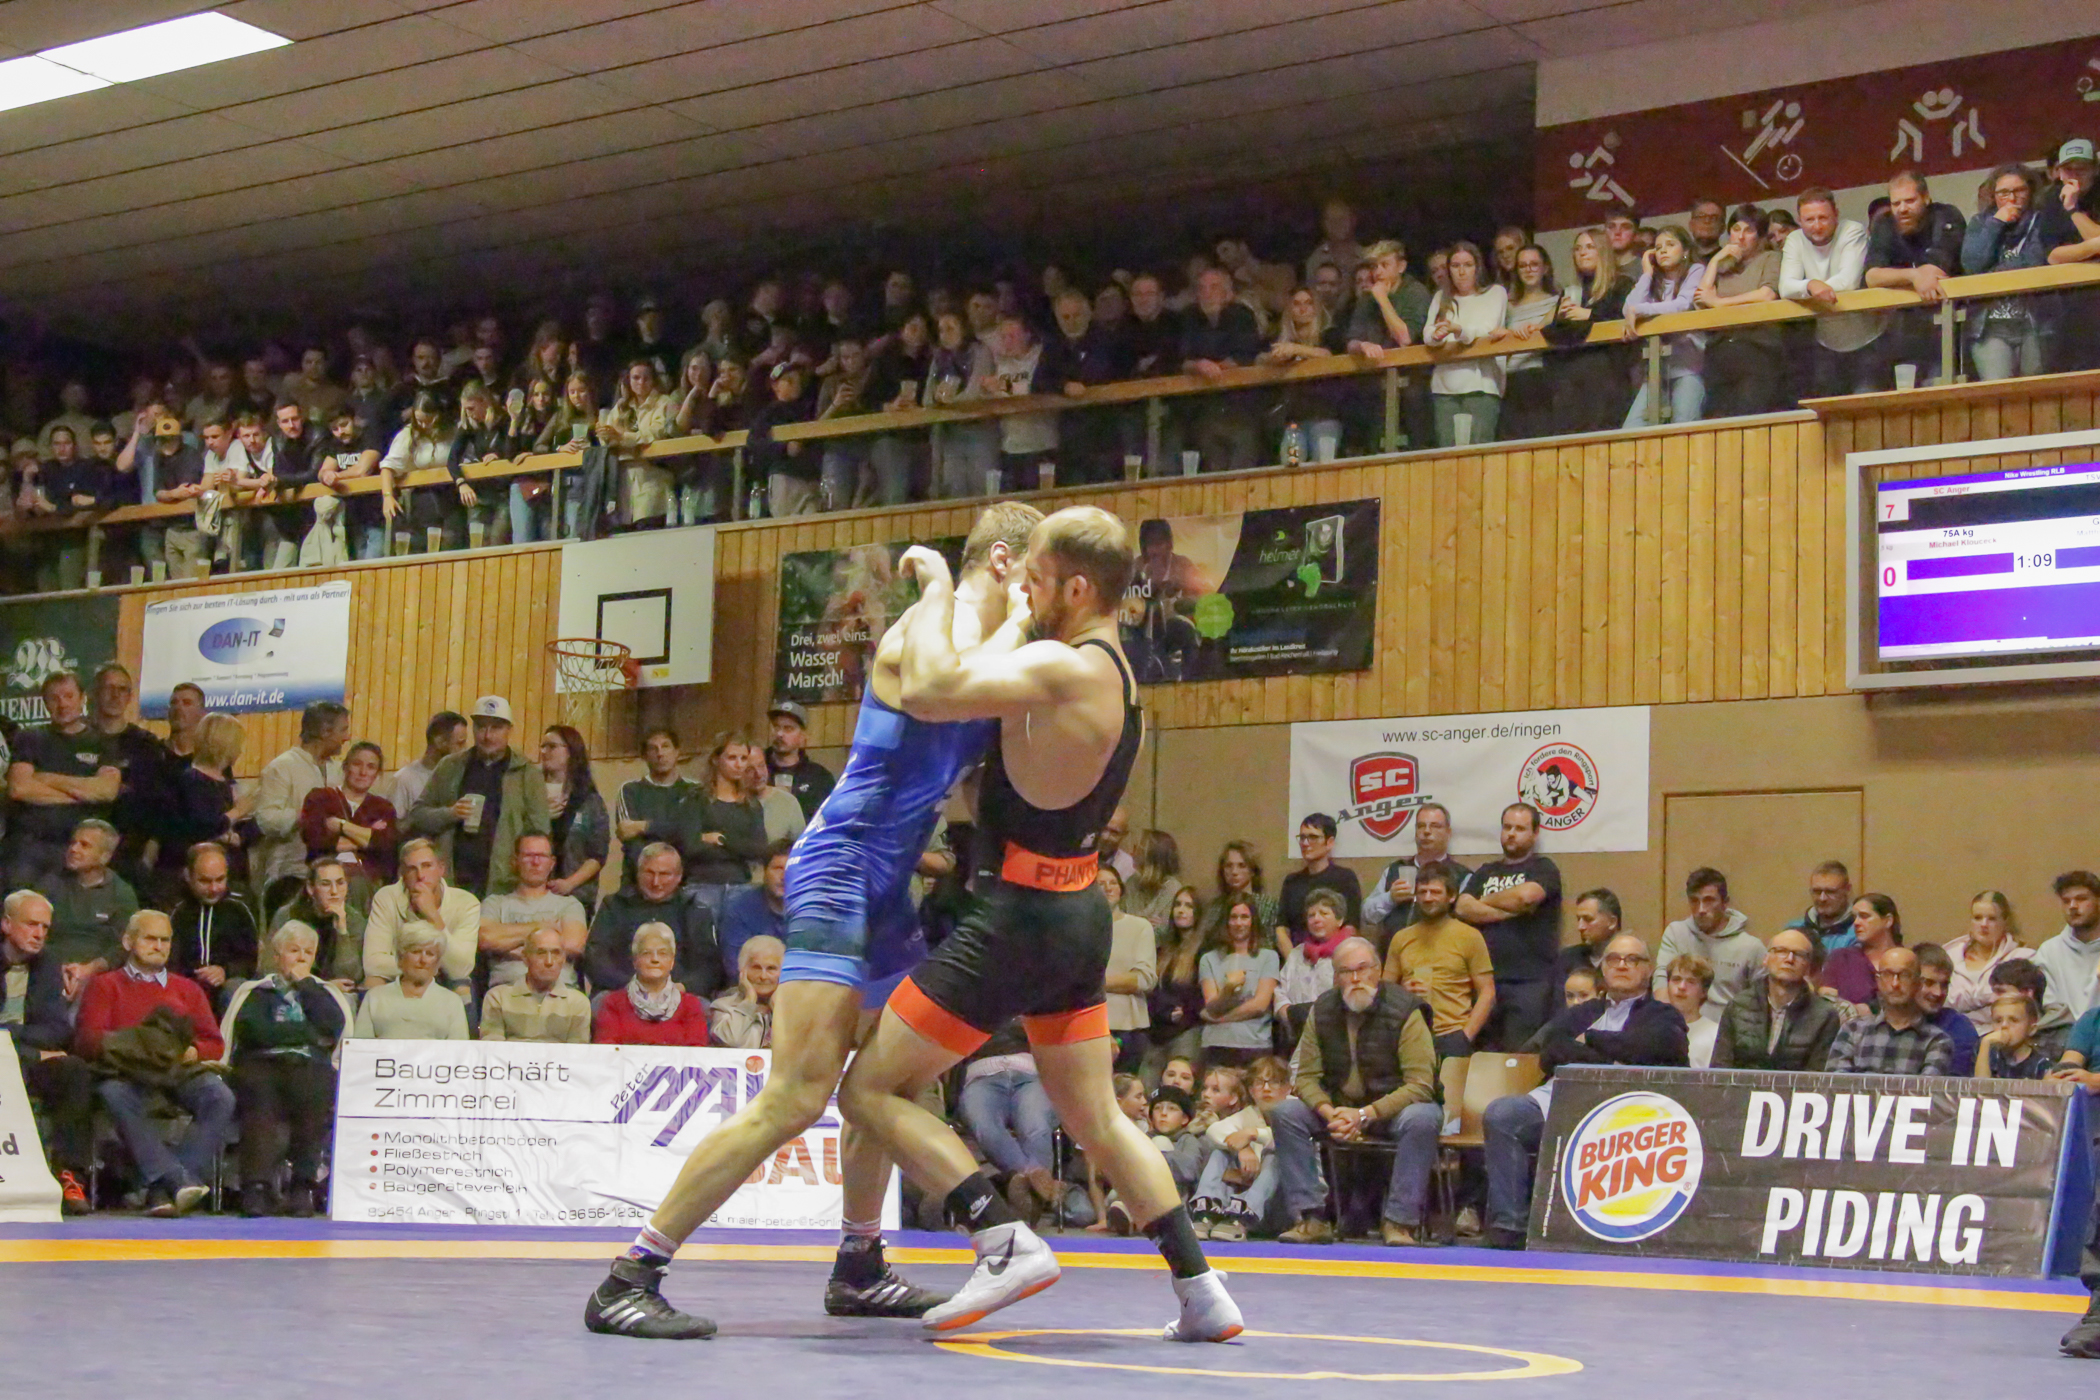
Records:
x=2074, y=971
x=1736, y=953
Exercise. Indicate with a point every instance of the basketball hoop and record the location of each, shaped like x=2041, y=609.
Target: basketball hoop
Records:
x=588, y=672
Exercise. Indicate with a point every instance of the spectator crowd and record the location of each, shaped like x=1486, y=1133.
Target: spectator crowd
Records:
x=234, y=434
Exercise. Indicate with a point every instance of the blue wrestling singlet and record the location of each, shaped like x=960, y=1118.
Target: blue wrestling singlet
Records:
x=850, y=916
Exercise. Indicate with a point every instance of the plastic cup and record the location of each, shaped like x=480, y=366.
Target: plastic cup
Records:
x=471, y=822
x=400, y=541
x=1191, y=462
x=201, y=569
x=1462, y=429
x=1906, y=377
x=160, y=571
x=991, y=482
x=94, y=578
x=477, y=534
x=138, y=574
x=1046, y=476
x=433, y=539
x=1133, y=466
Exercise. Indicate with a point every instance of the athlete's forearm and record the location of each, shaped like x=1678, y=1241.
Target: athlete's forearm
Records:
x=929, y=656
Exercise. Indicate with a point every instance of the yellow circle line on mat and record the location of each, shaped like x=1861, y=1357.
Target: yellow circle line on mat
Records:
x=1533, y=1363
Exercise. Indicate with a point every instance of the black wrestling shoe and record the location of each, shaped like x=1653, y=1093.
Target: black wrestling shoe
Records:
x=2083, y=1341
x=886, y=1295
x=630, y=1303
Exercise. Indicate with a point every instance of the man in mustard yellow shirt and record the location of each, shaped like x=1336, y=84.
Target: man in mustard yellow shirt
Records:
x=1445, y=962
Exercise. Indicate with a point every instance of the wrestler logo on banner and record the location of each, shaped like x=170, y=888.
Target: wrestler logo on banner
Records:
x=1384, y=788
x=1631, y=1167
x=1561, y=781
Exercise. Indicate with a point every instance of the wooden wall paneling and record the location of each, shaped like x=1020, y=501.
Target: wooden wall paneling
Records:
x=1595, y=562
x=1728, y=565
x=1418, y=476
x=1494, y=562
x=1779, y=548
x=1837, y=441
x=1809, y=545
x=2076, y=414
x=1702, y=563
x=1671, y=581
x=1756, y=640
x=1516, y=621
x=1566, y=682
x=1626, y=563
x=1443, y=596
x=1468, y=525
x=1353, y=694
x=1549, y=557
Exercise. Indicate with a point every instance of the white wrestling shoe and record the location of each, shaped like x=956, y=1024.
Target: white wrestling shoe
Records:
x=1208, y=1313
x=1012, y=1263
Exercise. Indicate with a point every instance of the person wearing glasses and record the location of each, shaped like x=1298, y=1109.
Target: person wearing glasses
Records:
x=1901, y=1039
x=1625, y=1026
x=1778, y=1022
x=1316, y=848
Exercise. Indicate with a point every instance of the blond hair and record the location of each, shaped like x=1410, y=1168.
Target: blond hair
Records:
x=219, y=741
x=1088, y=542
x=1004, y=522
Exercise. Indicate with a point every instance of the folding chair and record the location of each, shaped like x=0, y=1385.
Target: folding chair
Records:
x=1471, y=1083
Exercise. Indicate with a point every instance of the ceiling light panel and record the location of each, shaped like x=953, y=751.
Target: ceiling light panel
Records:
x=168, y=47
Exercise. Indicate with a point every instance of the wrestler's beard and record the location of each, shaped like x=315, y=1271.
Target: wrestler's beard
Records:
x=1049, y=622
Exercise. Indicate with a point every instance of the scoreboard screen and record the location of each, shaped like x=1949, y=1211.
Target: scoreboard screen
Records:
x=1988, y=565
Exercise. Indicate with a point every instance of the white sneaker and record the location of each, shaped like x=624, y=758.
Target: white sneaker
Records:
x=1208, y=1313
x=1012, y=1263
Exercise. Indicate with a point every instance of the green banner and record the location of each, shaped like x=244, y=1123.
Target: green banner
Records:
x=58, y=634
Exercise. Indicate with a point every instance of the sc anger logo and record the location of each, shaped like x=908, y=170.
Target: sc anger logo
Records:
x=1631, y=1167
x=1561, y=781
x=1385, y=788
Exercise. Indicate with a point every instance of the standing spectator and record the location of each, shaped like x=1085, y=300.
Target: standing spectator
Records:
x=409, y=1004
x=1598, y=919
x=216, y=938
x=2069, y=212
x=846, y=392
x=1778, y=1022
x=656, y=897
x=778, y=811
x=1515, y=903
x=89, y=906
x=1083, y=355
x=1150, y=890
x=1824, y=257
x=1471, y=312
x=652, y=808
x=202, y=804
x=640, y=415
x=743, y=1016
x=726, y=830
x=510, y=919
x=576, y=814
x=1392, y=312
x=1591, y=387
x=1239, y=979
x=962, y=452
x=1745, y=365
x=137, y=756
x=1319, y=872
x=788, y=764
x=422, y=444
x=1337, y=246
x=38, y=1023
x=1527, y=391
x=445, y=735
x=1992, y=939
x=422, y=900
x=1365, y=1068
x=1935, y=978
x=281, y=1031
x=324, y=909
x=2007, y=334
x=1133, y=960
x=1391, y=906
x=1669, y=281
x=541, y=1007
x=756, y=911
x=1900, y=1038
x=478, y=803
x=1625, y=1026
x=1312, y=410
x=1703, y=222
x=1020, y=367
x=1913, y=247
x=2071, y=958
x=324, y=728
x=1175, y=1006
x=1239, y=877
x=1849, y=973
x=1828, y=919
x=1687, y=982
x=1715, y=931
x=1220, y=333
x=1444, y=962
x=352, y=823
x=58, y=775
x=652, y=1009
x=141, y=1054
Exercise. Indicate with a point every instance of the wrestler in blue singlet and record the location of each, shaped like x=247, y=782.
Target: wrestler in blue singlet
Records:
x=850, y=917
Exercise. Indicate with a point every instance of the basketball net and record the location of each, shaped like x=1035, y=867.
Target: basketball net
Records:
x=593, y=679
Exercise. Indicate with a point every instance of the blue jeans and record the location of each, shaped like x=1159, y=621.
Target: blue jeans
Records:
x=1687, y=401
x=1512, y=1127
x=209, y=1102
x=1413, y=1135
x=1010, y=1117
x=1255, y=1195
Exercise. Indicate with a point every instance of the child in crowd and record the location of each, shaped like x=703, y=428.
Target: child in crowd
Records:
x=2008, y=1050
x=2025, y=976
x=1239, y=1173
x=1179, y=1073
x=1580, y=987
x=1130, y=1097
x=1171, y=1112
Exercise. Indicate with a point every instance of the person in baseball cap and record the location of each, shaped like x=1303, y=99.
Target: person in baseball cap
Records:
x=788, y=767
x=481, y=800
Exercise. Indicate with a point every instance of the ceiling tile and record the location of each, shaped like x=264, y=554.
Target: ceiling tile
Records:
x=406, y=42
x=831, y=48
x=439, y=83
x=770, y=108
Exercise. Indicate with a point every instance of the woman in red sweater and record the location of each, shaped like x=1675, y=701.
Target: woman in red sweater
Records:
x=651, y=1009
x=351, y=824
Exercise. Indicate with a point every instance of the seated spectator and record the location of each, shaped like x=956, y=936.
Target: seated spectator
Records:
x=422, y=898
x=1443, y=962
x=1993, y=939
x=656, y=896
x=1580, y=985
x=1715, y=931
x=1239, y=1171
x=324, y=731
x=1239, y=990
x=1366, y=1068
x=1170, y=1112
x=755, y=910
x=1130, y=1098
x=743, y=1017
x=89, y=906
x=1935, y=978
x=1598, y=918
x=1149, y=890
x=1133, y=961
x=413, y=1006
x=1898, y=1039
x=2009, y=1049
x=1828, y=918
x=479, y=801
x=1686, y=983
x=281, y=1031
x=1849, y=973
x=324, y=909
x=352, y=823
x=2022, y=976
x=582, y=829
x=217, y=938
x=1778, y=1022
x=652, y=1009
x=204, y=806
x=508, y=920
x=58, y=775
x=1625, y=1026
x=35, y=1019
x=1309, y=970
x=538, y=1008
x=2071, y=957
x=1007, y=1113
x=150, y=1034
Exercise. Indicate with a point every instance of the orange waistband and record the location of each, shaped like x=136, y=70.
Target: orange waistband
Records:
x=1059, y=875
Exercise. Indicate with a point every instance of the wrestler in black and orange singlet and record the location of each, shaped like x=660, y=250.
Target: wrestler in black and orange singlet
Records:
x=1033, y=941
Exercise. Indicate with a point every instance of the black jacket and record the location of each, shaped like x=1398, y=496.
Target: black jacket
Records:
x=608, y=954
x=215, y=935
x=1655, y=1034
x=47, y=1023
x=1746, y=1027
